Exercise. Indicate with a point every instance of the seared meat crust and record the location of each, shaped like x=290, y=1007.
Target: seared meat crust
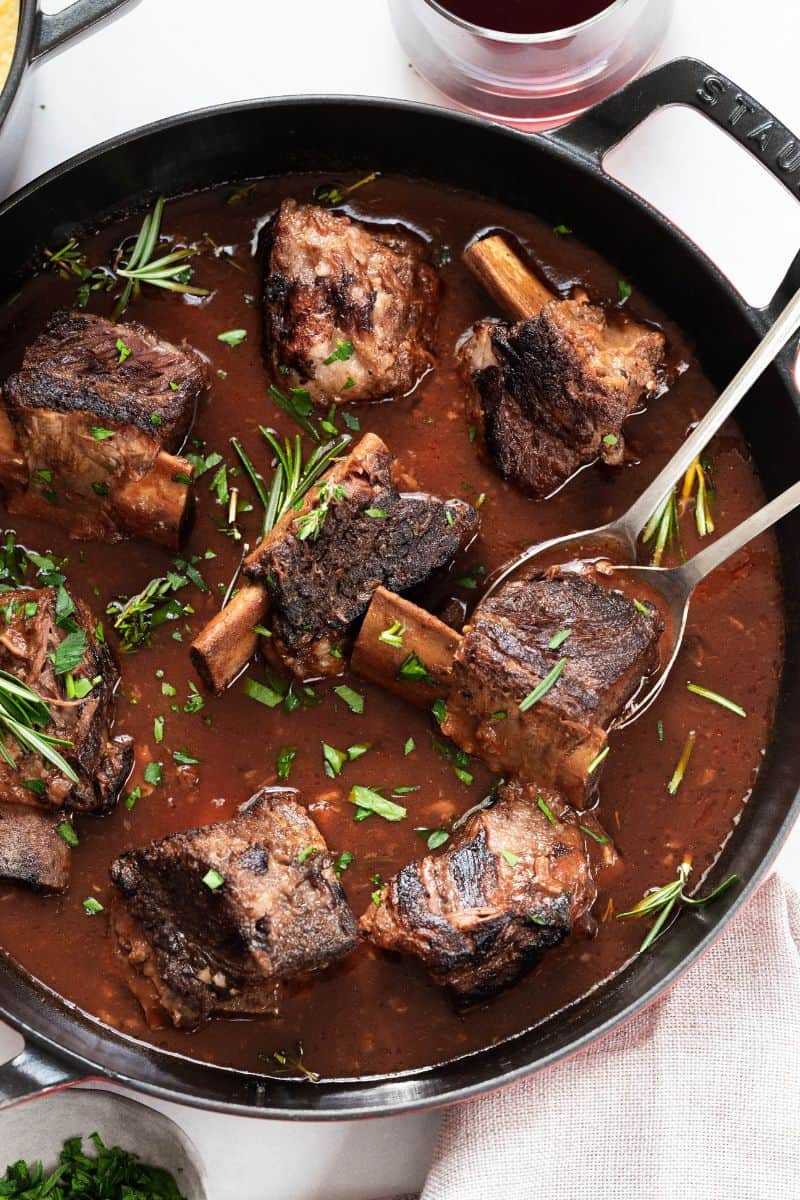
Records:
x=29, y=635
x=31, y=852
x=85, y=374
x=480, y=914
x=371, y=536
x=505, y=653
x=279, y=912
x=550, y=394
x=331, y=281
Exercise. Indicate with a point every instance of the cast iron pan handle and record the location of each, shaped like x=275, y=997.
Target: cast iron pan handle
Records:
x=33, y=1072
x=54, y=30
x=693, y=83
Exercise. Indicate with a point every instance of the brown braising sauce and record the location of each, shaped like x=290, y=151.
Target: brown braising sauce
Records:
x=374, y=1013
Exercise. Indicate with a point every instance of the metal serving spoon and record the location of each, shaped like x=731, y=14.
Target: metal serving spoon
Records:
x=675, y=585
x=618, y=539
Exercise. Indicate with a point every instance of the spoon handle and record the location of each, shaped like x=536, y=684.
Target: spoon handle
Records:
x=710, y=558
x=637, y=516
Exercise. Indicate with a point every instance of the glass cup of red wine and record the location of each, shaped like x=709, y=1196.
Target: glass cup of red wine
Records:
x=529, y=63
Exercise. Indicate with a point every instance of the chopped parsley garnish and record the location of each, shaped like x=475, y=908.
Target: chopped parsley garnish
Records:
x=262, y=693
x=132, y=797
x=284, y=761
x=65, y=831
x=343, y=351
x=642, y=608
x=353, y=700
x=562, y=230
x=158, y=729
x=123, y=350
x=92, y=907
x=69, y=653
x=100, y=434
x=511, y=858
x=433, y=838
x=194, y=701
x=413, y=669
x=543, y=687
x=624, y=290
x=153, y=773
x=112, y=1175
x=546, y=809
x=439, y=710
x=409, y=747
x=341, y=863
x=213, y=880
x=184, y=759
x=334, y=760
x=377, y=514
x=369, y=800
x=306, y=853
x=232, y=337
x=610, y=439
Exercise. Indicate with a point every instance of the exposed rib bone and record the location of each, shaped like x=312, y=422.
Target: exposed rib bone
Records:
x=229, y=641
x=507, y=279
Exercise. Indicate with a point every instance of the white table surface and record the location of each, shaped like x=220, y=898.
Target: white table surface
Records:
x=168, y=56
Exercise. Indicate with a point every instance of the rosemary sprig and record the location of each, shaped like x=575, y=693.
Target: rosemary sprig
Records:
x=696, y=478
x=663, y=528
x=169, y=272
x=24, y=714
x=661, y=901
x=716, y=698
x=292, y=477
x=682, y=763
x=543, y=687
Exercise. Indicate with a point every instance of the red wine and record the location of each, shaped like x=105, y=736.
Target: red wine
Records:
x=525, y=16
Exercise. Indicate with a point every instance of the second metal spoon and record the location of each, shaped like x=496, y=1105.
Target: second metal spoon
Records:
x=675, y=585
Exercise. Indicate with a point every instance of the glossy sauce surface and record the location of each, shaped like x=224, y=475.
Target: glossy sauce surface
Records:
x=374, y=1013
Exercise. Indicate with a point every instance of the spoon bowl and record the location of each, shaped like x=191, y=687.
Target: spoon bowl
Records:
x=674, y=587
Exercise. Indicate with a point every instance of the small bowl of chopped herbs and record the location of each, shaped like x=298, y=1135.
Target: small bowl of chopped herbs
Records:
x=75, y=1144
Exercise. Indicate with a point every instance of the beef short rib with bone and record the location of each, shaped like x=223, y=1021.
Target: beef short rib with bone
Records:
x=315, y=573
x=90, y=426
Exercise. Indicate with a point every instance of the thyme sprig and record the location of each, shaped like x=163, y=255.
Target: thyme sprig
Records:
x=661, y=901
x=136, y=618
x=25, y=714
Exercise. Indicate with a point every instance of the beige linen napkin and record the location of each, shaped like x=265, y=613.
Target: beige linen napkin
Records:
x=698, y=1097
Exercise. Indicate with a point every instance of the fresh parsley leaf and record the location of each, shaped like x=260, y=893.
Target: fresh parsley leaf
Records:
x=232, y=337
